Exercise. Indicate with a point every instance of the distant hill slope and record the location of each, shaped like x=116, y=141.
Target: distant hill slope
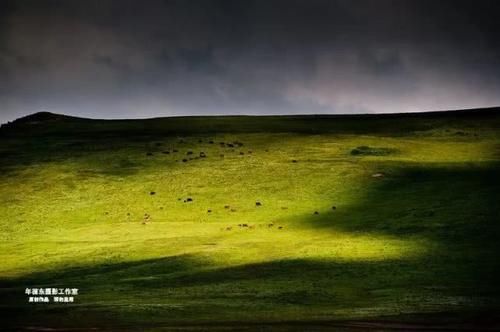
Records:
x=46, y=123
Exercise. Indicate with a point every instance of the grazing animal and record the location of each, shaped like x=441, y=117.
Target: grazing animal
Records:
x=226, y=206
x=189, y=152
x=270, y=225
x=281, y=227
x=294, y=160
x=228, y=228
x=230, y=145
x=184, y=160
x=209, y=211
x=244, y=225
x=242, y=153
x=334, y=207
x=258, y=204
x=316, y=212
x=189, y=199
x=152, y=193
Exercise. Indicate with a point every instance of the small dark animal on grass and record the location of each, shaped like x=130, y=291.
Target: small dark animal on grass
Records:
x=209, y=211
x=184, y=160
x=202, y=154
x=189, y=199
x=258, y=204
x=152, y=193
x=334, y=207
x=316, y=212
x=230, y=145
x=189, y=152
x=242, y=153
x=226, y=206
x=294, y=160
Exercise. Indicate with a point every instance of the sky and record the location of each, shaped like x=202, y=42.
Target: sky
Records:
x=137, y=59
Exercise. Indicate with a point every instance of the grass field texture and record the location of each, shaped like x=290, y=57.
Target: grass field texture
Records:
x=250, y=220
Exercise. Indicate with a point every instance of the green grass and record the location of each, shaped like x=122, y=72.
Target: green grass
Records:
x=420, y=238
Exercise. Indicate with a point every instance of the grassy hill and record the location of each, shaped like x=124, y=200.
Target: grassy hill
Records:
x=281, y=222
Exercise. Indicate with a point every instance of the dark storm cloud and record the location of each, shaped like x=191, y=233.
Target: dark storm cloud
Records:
x=151, y=58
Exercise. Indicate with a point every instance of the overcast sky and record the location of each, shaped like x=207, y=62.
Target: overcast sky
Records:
x=127, y=59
